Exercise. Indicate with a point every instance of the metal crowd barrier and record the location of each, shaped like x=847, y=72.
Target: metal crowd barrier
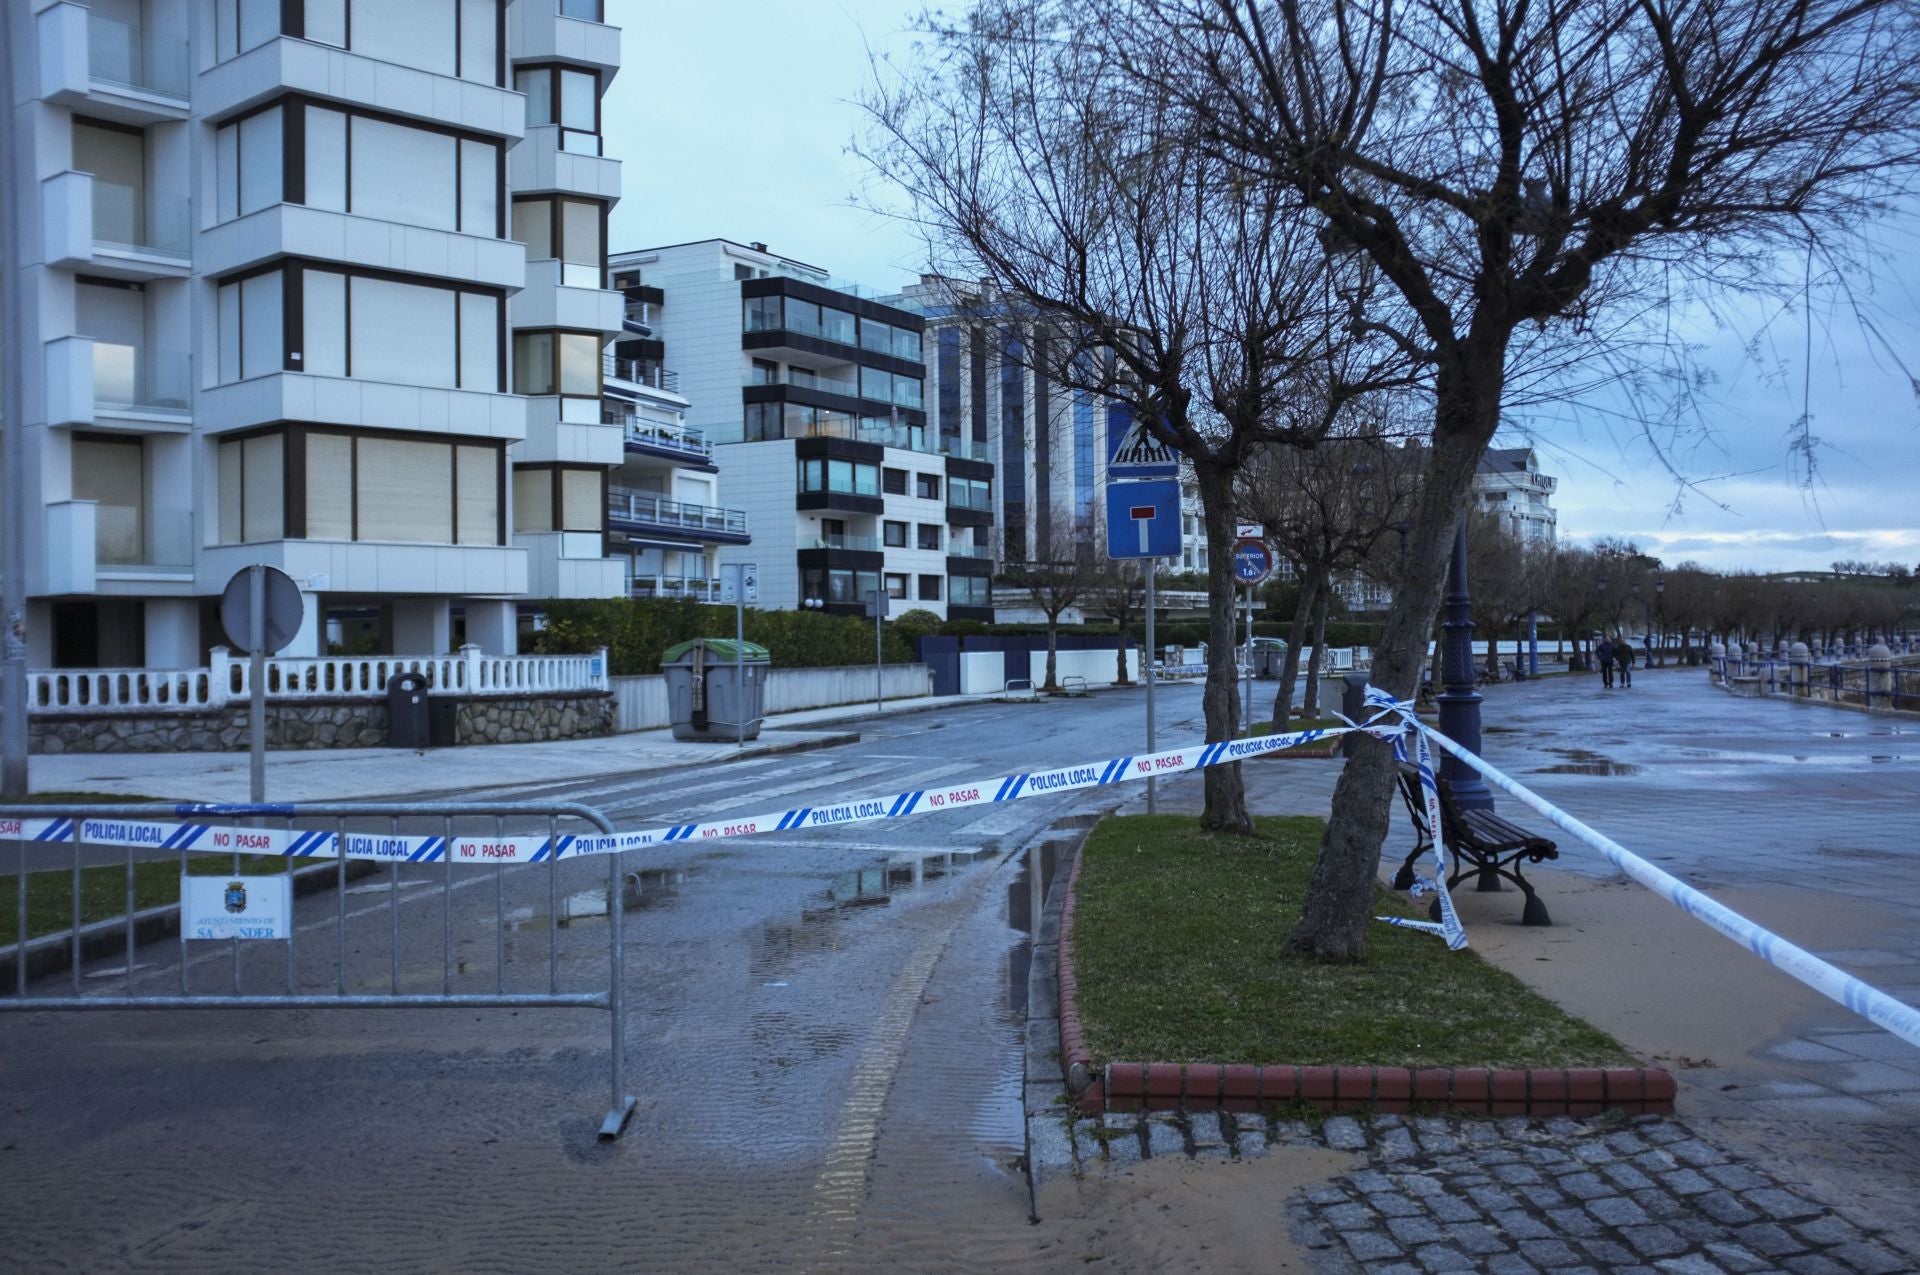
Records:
x=98, y=937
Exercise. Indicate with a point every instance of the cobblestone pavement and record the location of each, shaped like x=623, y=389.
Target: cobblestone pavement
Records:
x=1620, y=1194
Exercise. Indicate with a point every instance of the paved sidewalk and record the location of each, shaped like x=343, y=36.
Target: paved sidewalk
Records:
x=372, y=774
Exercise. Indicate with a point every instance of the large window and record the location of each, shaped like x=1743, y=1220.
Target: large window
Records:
x=760, y=314
x=970, y=493
x=888, y=387
x=564, y=363
x=570, y=231
x=884, y=338
x=853, y=477
x=838, y=585
x=360, y=485
x=448, y=37
x=353, y=323
x=559, y=498
x=969, y=591
x=358, y=162
x=117, y=157
x=110, y=470
x=566, y=96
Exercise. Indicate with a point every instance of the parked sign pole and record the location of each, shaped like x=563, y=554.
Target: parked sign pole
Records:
x=257, y=676
x=740, y=659
x=879, y=665
x=13, y=451
x=1152, y=806
x=1246, y=679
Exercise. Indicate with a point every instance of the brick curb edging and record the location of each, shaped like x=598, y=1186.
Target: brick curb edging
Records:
x=1539, y=1091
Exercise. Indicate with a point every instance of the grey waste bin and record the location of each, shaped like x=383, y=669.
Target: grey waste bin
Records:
x=407, y=711
x=1269, y=657
x=709, y=694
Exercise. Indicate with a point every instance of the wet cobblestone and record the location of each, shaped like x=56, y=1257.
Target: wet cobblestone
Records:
x=1445, y=1194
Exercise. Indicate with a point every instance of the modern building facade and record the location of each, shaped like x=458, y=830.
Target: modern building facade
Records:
x=1510, y=486
x=319, y=284
x=812, y=396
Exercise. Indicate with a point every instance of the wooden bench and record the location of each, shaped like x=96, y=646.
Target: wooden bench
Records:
x=1482, y=843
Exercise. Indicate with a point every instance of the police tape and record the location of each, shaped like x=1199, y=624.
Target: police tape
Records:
x=206, y=838
x=1386, y=708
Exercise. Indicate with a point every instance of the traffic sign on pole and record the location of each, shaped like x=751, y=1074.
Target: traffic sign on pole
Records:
x=1252, y=561
x=1132, y=449
x=1143, y=519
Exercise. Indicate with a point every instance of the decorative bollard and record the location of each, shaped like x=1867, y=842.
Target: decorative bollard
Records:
x=1717, y=663
x=1879, y=678
x=1799, y=657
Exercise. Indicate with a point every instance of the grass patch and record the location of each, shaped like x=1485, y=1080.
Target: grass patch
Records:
x=1176, y=942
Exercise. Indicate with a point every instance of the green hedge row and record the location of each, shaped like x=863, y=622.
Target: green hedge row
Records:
x=635, y=632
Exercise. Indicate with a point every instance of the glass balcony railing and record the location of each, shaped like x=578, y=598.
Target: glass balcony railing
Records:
x=132, y=538
x=124, y=218
x=964, y=448
x=645, y=433
x=144, y=379
x=585, y=10
x=132, y=57
x=959, y=497
x=640, y=372
x=657, y=586
x=866, y=544
x=625, y=505
x=968, y=551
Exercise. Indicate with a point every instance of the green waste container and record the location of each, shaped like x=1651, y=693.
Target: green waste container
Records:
x=715, y=688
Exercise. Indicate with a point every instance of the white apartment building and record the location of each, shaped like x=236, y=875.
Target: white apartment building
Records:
x=812, y=396
x=1509, y=485
x=319, y=284
x=988, y=384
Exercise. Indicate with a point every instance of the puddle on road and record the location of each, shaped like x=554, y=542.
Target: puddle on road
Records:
x=1582, y=761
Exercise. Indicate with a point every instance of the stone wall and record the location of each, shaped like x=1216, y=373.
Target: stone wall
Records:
x=309, y=724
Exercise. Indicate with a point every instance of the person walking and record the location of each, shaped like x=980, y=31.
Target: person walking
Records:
x=1604, y=654
x=1623, y=657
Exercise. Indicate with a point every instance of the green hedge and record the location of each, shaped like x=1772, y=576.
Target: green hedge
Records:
x=635, y=632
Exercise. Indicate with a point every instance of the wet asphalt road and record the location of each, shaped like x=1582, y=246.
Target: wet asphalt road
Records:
x=824, y=1036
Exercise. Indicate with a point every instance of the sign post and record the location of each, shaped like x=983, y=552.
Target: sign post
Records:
x=261, y=609
x=740, y=584
x=1252, y=564
x=1143, y=521
x=877, y=608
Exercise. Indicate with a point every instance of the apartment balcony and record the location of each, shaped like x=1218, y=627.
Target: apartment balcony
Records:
x=110, y=229
x=293, y=230
x=570, y=31
x=95, y=548
x=857, y=544
x=649, y=513
x=550, y=158
x=110, y=69
x=346, y=400
x=678, y=443
x=562, y=294
x=970, y=553
x=107, y=385
x=371, y=568
x=571, y=564
x=639, y=373
x=657, y=586
x=285, y=65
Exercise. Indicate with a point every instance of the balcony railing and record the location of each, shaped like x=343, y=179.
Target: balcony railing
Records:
x=640, y=372
x=125, y=218
x=978, y=500
x=656, y=586
x=131, y=57
x=865, y=544
x=645, y=433
x=626, y=505
x=131, y=538
x=969, y=551
x=147, y=380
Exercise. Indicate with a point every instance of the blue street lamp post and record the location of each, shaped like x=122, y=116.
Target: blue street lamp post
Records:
x=1460, y=702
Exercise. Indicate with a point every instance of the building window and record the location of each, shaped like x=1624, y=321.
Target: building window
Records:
x=896, y=482
x=882, y=338
x=359, y=485
x=1013, y=437
x=764, y=373
x=838, y=584
x=564, y=229
x=930, y=536
x=333, y=322
x=894, y=534
x=886, y=387
x=929, y=588
x=559, y=498
x=110, y=470
x=969, y=591
x=564, y=363
x=848, y=476
x=760, y=314
x=927, y=486
x=566, y=96
x=460, y=38
x=896, y=585
x=970, y=493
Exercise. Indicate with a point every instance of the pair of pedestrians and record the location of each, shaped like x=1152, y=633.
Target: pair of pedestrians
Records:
x=1614, y=657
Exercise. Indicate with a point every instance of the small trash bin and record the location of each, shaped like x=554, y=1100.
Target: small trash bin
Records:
x=714, y=686
x=441, y=721
x=1269, y=657
x=407, y=725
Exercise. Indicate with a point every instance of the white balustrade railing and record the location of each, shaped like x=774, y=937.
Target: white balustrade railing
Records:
x=229, y=680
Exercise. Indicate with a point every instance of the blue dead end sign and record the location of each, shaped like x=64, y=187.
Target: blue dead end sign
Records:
x=1252, y=561
x=1143, y=519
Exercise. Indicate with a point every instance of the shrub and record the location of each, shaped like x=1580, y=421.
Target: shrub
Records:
x=635, y=632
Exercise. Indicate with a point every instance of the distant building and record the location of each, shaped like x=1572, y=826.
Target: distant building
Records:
x=1510, y=486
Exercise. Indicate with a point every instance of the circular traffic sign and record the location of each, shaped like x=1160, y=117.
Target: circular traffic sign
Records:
x=1252, y=561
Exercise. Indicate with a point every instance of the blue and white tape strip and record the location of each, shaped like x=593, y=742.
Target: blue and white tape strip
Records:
x=1869, y=1002
x=1386, y=707
x=199, y=837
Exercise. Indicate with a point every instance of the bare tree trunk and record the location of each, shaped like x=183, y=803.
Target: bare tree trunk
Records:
x=1334, y=919
x=1310, y=587
x=1053, y=650
x=1310, y=706
x=1226, y=794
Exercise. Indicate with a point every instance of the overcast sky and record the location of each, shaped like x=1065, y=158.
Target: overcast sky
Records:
x=734, y=120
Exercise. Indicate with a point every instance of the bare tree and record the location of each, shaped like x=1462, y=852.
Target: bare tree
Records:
x=1516, y=176
x=1122, y=596
x=1031, y=156
x=1069, y=575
